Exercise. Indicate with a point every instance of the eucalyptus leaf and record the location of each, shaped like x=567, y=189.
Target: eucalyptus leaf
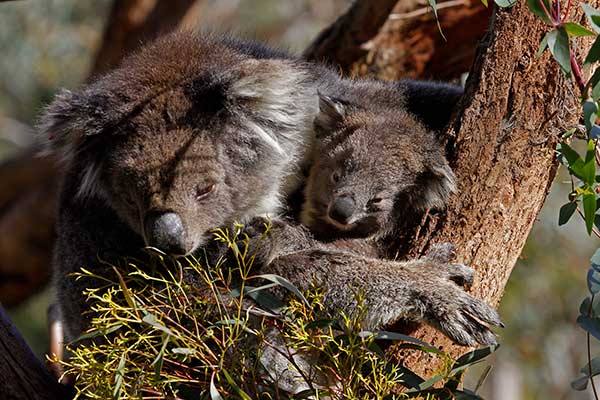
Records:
x=594, y=53
x=593, y=281
x=574, y=29
x=580, y=384
x=558, y=43
x=503, y=3
x=535, y=7
x=472, y=357
x=595, y=260
x=285, y=283
x=589, y=210
x=565, y=213
x=590, y=325
x=592, y=15
x=590, y=112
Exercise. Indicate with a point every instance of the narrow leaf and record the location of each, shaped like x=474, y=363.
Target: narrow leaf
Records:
x=285, y=283
x=536, y=8
x=543, y=45
x=472, y=357
x=590, y=111
x=595, y=260
x=150, y=319
x=592, y=15
x=589, y=211
x=574, y=29
x=594, y=53
x=503, y=3
x=214, y=393
x=595, y=84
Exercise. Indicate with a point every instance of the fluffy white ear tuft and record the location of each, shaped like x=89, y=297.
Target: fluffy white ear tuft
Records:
x=439, y=186
x=67, y=121
x=331, y=113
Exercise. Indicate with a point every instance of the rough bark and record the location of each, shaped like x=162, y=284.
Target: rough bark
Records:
x=23, y=376
x=342, y=43
x=501, y=145
x=411, y=46
x=30, y=184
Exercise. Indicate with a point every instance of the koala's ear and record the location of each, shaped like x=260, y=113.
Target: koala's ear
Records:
x=331, y=113
x=67, y=121
x=439, y=185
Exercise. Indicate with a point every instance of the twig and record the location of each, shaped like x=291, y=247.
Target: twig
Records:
x=426, y=10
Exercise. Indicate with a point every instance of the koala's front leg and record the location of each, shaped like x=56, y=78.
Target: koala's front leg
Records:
x=423, y=289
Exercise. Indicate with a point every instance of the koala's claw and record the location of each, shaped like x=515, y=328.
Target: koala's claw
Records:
x=465, y=320
x=441, y=253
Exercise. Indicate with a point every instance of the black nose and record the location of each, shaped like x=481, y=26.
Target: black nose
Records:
x=166, y=232
x=341, y=209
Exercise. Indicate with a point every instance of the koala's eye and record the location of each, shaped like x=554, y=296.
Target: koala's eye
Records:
x=202, y=192
x=335, y=176
x=374, y=202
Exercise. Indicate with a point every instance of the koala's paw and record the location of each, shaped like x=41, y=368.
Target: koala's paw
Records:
x=462, y=317
x=440, y=258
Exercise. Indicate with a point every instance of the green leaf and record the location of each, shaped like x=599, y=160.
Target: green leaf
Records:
x=595, y=364
x=595, y=132
x=594, y=83
x=150, y=319
x=158, y=361
x=580, y=383
x=502, y=3
x=593, y=16
x=214, y=393
x=472, y=357
x=285, y=283
x=558, y=43
x=574, y=161
x=574, y=29
x=411, y=379
x=590, y=113
x=543, y=45
x=536, y=8
x=590, y=325
x=239, y=391
x=565, y=213
x=594, y=53
x=589, y=210
x=593, y=281
x=119, y=377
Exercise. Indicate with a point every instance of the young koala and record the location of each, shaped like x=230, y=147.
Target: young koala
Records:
x=198, y=131
x=376, y=166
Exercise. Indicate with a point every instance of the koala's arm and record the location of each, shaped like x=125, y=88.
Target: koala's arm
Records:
x=425, y=289
x=420, y=290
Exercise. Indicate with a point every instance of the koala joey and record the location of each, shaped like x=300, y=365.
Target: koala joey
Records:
x=198, y=131
x=374, y=168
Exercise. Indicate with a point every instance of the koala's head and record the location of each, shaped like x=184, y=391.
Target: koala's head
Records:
x=186, y=136
x=374, y=167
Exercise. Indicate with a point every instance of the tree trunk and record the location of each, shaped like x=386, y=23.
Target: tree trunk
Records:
x=501, y=145
x=24, y=377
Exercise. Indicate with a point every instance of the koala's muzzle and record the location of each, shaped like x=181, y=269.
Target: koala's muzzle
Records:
x=342, y=208
x=166, y=232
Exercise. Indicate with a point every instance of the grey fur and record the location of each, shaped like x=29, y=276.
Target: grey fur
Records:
x=216, y=131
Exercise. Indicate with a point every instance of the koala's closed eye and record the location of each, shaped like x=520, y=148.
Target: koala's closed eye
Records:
x=202, y=192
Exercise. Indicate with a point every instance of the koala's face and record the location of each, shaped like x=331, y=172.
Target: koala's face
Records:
x=372, y=169
x=183, y=138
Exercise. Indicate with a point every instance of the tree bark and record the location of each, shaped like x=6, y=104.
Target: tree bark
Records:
x=30, y=184
x=501, y=145
x=23, y=376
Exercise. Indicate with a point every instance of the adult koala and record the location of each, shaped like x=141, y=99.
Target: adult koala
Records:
x=194, y=132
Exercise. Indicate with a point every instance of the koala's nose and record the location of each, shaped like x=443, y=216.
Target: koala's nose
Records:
x=342, y=208
x=166, y=232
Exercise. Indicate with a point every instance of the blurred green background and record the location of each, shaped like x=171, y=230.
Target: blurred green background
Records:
x=45, y=45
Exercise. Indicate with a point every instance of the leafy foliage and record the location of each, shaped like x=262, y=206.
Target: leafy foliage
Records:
x=161, y=327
